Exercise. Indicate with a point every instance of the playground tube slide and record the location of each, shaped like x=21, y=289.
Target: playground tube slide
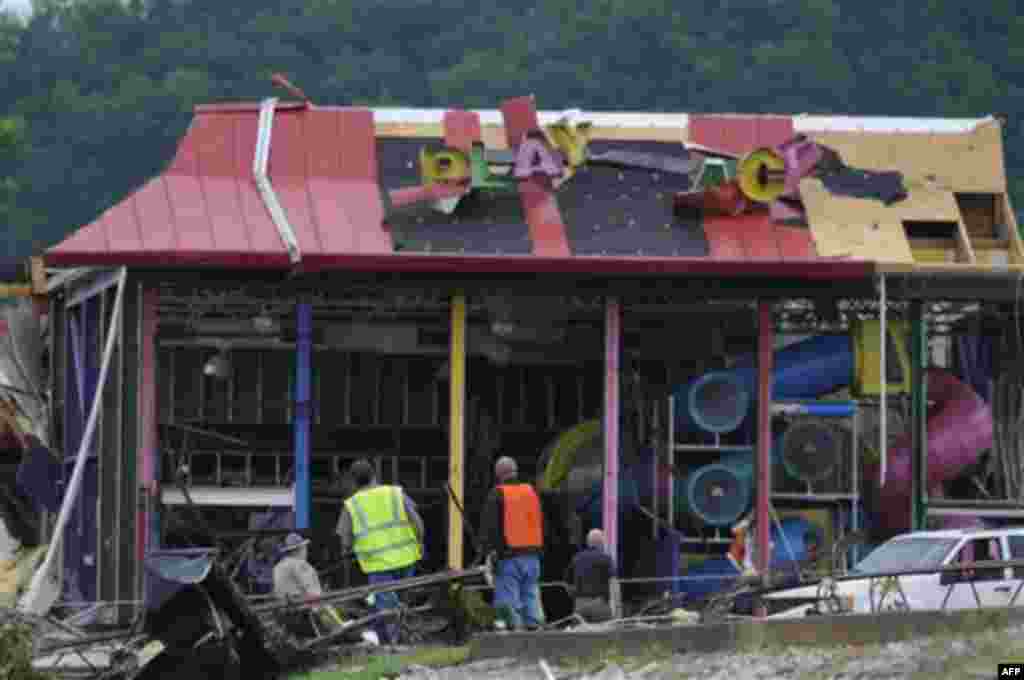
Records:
x=959, y=429
x=719, y=402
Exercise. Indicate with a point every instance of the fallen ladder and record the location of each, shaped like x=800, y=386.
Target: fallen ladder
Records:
x=362, y=592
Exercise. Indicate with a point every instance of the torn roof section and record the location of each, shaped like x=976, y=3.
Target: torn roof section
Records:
x=334, y=171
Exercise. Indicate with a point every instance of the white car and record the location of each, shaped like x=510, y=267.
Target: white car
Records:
x=869, y=590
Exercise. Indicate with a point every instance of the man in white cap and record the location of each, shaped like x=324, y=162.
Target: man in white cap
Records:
x=294, y=577
x=590, y=575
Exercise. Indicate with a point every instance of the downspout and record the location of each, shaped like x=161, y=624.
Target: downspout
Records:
x=259, y=175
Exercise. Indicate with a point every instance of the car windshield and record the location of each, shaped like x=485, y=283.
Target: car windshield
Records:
x=906, y=554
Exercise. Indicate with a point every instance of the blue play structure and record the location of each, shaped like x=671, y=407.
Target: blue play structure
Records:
x=719, y=493
x=789, y=545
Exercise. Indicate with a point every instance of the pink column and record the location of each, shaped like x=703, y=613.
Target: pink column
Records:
x=765, y=346
x=146, y=463
x=610, y=501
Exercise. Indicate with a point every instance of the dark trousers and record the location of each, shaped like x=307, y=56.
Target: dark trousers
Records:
x=593, y=609
x=387, y=630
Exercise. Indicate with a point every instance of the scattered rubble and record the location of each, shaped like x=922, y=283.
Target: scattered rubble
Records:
x=971, y=656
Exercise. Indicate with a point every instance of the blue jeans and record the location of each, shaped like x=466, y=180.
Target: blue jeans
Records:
x=387, y=630
x=517, y=590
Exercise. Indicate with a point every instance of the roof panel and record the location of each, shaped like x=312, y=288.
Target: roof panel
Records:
x=190, y=217
x=758, y=229
x=151, y=206
x=359, y=147
x=213, y=142
x=795, y=243
x=461, y=129
x=230, y=232
x=360, y=182
x=725, y=238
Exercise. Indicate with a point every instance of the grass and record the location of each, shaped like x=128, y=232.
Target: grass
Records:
x=375, y=667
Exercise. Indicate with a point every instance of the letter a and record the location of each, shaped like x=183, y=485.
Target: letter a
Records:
x=535, y=157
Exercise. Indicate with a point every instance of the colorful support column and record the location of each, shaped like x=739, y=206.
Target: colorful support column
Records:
x=610, y=500
x=147, y=526
x=456, y=431
x=919, y=419
x=303, y=380
x=765, y=347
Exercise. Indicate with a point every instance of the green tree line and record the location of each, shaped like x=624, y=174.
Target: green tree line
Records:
x=96, y=93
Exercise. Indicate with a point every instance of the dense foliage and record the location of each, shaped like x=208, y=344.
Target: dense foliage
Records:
x=16, y=653
x=105, y=87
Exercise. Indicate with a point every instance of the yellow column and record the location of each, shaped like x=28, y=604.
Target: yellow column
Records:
x=456, y=430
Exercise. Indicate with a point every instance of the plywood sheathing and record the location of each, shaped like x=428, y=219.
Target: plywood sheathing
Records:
x=853, y=227
x=934, y=166
x=955, y=162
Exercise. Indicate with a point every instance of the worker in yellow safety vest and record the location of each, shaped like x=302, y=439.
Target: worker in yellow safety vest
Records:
x=380, y=523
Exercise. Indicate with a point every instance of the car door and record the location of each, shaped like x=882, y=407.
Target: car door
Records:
x=971, y=587
x=1014, y=576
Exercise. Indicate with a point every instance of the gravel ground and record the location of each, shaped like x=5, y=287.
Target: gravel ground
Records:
x=969, y=657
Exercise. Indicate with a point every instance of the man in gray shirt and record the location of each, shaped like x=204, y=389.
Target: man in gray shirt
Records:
x=294, y=576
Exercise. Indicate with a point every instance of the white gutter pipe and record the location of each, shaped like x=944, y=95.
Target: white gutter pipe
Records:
x=36, y=601
x=267, y=193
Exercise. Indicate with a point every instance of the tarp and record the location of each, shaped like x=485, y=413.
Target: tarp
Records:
x=39, y=476
x=173, y=570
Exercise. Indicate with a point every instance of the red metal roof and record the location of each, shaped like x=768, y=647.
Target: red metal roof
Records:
x=205, y=209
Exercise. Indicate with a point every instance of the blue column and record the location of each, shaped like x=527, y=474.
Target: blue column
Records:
x=301, y=421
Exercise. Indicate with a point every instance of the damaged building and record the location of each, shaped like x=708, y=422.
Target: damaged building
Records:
x=606, y=297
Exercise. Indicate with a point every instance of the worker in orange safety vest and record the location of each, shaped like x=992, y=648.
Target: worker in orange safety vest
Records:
x=512, y=533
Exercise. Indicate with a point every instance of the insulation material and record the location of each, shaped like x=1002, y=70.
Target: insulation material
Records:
x=966, y=162
x=480, y=224
x=609, y=210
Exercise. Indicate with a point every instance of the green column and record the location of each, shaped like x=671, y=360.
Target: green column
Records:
x=919, y=418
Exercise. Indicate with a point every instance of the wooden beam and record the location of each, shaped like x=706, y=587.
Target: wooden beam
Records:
x=456, y=431
x=610, y=500
x=147, y=528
